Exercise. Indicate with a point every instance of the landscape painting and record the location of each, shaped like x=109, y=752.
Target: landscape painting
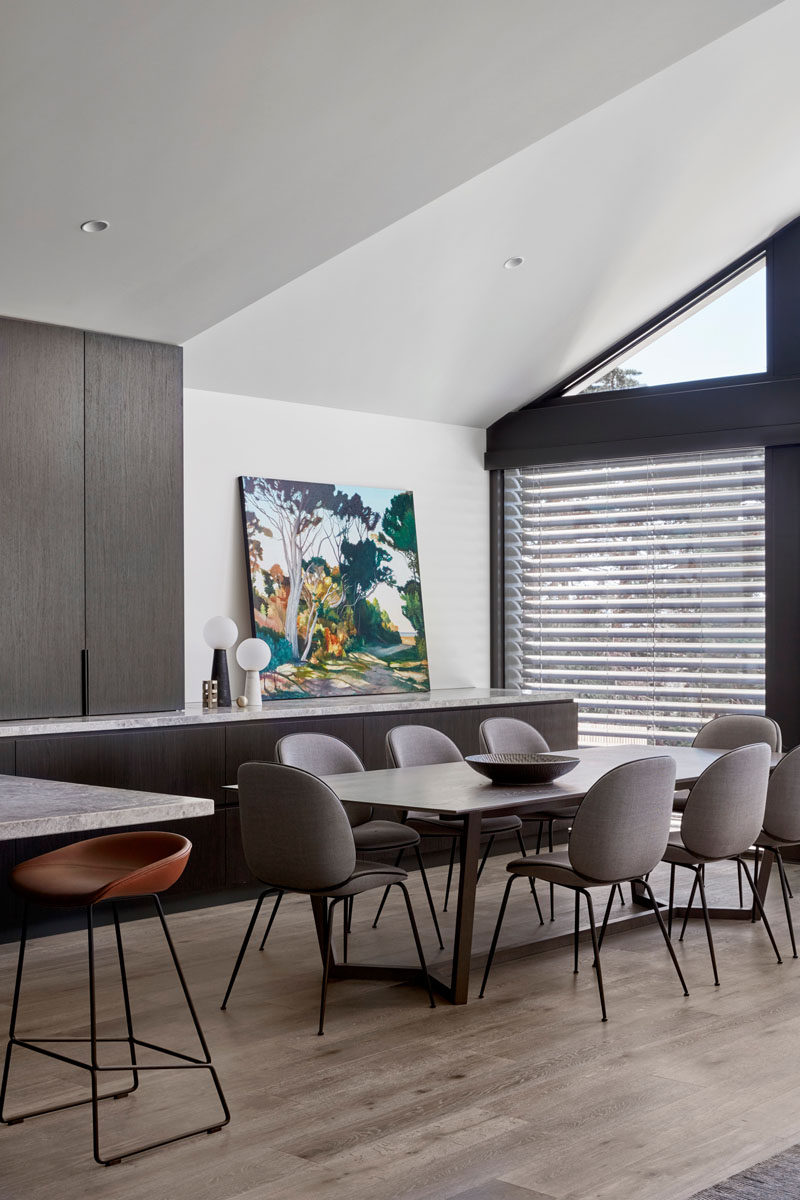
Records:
x=334, y=588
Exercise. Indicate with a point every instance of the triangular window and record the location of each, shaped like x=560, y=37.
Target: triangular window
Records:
x=724, y=333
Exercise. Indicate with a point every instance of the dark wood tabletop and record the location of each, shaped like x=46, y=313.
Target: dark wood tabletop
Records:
x=454, y=788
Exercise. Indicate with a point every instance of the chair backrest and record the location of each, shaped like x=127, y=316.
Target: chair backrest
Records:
x=295, y=832
x=725, y=809
x=323, y=755
x=734, y=730
x=782, y=814
x=621, y=828
x=507, y=735
x=419, y=746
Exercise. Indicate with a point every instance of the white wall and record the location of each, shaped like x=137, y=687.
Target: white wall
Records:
x=227, y=436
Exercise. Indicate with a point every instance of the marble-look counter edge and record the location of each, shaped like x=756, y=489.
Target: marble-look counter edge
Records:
x=37, y=807
x=274, y=710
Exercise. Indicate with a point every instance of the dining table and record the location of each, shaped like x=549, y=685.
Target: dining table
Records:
x=455, y=789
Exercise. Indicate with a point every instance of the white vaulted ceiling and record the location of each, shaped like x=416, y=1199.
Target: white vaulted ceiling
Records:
x=317, y=198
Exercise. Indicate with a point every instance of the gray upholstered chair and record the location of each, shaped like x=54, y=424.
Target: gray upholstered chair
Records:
x=782, y=824
x=423, y=746
x=722, y=819
x=508, y=735
x=729, y=732
x=618, y=836
x=297, y=837
x=322, y=754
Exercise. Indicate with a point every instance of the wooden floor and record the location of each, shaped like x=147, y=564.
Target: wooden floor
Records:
x=520, y=1096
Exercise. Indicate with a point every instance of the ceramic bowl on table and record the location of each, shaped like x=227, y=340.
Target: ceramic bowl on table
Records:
x=510, y=769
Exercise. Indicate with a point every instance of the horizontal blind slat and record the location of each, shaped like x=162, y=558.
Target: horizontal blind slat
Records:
x=638, y=585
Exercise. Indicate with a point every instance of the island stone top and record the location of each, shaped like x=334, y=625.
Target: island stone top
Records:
x=195, y=714
x=34, y=807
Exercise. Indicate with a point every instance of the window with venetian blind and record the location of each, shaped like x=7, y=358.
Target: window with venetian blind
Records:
x=637, y=585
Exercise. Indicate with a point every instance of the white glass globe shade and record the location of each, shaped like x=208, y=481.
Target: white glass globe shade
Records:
x=253, y=654
x=220, y=633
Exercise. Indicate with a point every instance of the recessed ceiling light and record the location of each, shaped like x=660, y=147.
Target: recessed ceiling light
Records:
x=94, y=226
x=512, y=263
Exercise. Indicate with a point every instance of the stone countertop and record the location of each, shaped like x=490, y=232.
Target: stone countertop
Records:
x=195, y=714
x=34, y=807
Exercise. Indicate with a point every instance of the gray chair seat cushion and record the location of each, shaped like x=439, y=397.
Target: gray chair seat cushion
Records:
x=676, y=852
x=366, y=876
x=766, y=840
x=384, y=835
x=679, y=801
x=552, y=868
x=548, y=814
x=451, y=826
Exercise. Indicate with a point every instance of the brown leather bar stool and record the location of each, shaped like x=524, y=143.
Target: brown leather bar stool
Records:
x=115, y=867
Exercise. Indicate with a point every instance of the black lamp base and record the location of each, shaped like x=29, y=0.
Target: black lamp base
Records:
x=219, y=671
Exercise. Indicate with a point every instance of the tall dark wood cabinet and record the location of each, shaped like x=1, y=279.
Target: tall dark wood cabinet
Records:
x=91, y=523
x=41, y=520
x=134, y=527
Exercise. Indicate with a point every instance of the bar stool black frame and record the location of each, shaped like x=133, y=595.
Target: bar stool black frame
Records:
x=134, y=1067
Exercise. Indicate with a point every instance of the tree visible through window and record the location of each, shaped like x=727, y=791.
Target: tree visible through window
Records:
x=722, y=334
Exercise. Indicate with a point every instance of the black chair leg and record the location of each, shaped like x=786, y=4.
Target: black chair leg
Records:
x=702, y=887
x=496, y=934
x=665, y=935
x=697, y=874
x=385, y=895
x=428, y=895
x=350, y=904
x=453, y=849
x=786, y=898
x=607, y=914
x=243, y=947
x=345, y=925
x=12, y=1025
x=417, y=942
x=486, y=854
x=272, y=916
x=126, y=999
x=532, y=881
x=671, y=898
x=552, y=885
x=326, y=958
x=621, y=894
x=739, y=878
x=577, y=931
x=760, y=907
x=755, y=880
x=596, y=949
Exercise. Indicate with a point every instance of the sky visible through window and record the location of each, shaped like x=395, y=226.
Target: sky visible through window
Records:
x=728, y=336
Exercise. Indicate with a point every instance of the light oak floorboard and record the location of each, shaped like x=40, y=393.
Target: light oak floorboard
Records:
x=524, y=1094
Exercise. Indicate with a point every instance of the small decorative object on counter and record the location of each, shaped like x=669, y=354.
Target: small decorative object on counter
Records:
x=210, y=693
x=220, y=633
x=241, y=701
x=253, y=656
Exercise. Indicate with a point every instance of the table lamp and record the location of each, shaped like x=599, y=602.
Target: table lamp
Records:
x=220, y=633
x=253, y=655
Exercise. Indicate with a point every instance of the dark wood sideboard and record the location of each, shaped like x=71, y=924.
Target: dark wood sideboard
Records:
x=197, y=760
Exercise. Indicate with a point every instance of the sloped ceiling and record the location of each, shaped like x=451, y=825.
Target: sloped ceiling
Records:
x=318, y=198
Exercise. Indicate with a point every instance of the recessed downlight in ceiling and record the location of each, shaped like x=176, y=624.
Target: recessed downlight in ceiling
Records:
x=94, y=226
x=512, y=263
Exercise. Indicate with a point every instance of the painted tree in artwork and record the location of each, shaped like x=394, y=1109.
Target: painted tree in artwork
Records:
x=295, y=511
x=400, y=532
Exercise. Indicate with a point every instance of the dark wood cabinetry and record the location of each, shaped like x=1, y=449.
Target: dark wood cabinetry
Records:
x=134, y=526
x=91, y=523
x=41, y=519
